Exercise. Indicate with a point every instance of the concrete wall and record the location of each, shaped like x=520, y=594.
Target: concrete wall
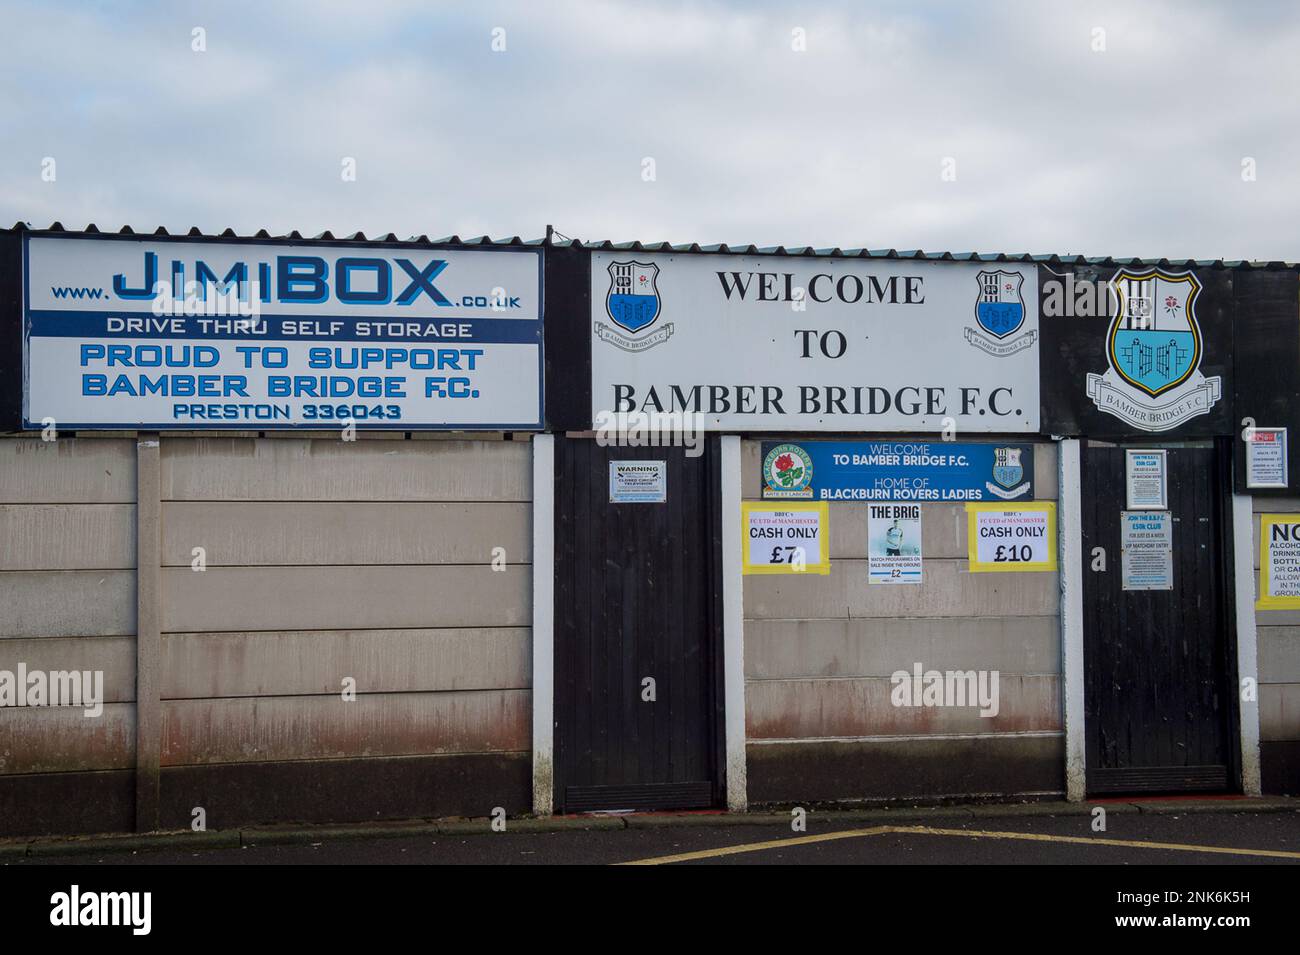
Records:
x=1279, y=675
x=819, y=652
x=325, y=561
x=68, y=601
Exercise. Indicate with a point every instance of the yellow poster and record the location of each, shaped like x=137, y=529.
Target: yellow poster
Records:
x=1279, y=562
x=785, y=537
x=1011, y=538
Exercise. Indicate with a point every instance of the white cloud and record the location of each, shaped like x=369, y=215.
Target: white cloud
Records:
x=1134, y=151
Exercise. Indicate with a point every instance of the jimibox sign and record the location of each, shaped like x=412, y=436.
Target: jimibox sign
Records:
x=167, y=333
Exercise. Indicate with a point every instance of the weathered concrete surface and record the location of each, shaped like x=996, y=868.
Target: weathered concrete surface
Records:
x=293, y=468
x=305, y=533
x=67, y=471
x=344, y=598
x=304, y=662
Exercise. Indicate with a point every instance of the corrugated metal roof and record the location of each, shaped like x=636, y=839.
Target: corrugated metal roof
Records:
x=694, y=248
x=917, y=254
x=326, y=236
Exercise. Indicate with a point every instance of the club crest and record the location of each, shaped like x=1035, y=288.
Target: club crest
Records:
x=1008, y=475
x=632, y=302
x=787, y=472
x=1154, y=348
x=633, y=298
x=999, y=314
x=1000, y=310
x=1155, y=343
x=1007, y=469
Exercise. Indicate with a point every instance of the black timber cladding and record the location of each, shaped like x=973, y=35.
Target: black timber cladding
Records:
x=1266, y=362
x=1073, y=347
x=637, y=595
x=1160, y=665
x=567, y=338
x=11, y=331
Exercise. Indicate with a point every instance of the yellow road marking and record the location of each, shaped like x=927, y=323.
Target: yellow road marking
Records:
x=759, y=846
x=1089, y=841
x=969, y=833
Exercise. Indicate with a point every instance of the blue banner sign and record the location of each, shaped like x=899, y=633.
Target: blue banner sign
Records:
x=897, y=471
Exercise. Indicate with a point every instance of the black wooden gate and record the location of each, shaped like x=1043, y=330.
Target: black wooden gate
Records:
x=637, y=597
x=1158, y=664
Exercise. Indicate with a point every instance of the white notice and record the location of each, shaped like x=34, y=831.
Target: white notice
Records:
x=1147, y=550
x=894, y=543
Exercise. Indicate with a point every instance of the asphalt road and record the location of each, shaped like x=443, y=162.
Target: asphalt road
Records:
x=1175, y=839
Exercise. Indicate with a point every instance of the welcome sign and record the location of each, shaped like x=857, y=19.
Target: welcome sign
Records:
x=897, y=471
x=806, y=343
x=168, y=333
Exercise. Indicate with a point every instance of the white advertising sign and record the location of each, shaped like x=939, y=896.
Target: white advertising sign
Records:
x=816, y=344
x=638, y=482
x=165, y=333
x=894, y=543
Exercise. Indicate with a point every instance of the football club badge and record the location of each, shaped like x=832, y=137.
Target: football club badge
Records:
x=1008, y=473
x=633, y=304
x=1154, y=348
x=999, y=314
x=787, y=472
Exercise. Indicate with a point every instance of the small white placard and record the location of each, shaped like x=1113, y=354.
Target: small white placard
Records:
x=1146, y=478
x=638, y=482
x=1266, y=464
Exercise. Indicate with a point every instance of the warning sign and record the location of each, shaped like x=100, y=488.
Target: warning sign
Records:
x=638, y=482
x=1279, y=562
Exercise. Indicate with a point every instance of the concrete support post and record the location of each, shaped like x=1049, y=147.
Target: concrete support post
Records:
x=543, y=623
x=1243, y=568
x=733, y=627
x=1071, y=561
x=148, y=637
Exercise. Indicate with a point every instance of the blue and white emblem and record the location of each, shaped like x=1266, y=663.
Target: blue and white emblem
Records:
x=1009, y=473
x=1000, y=310
x=634, y=305
x=1000, y=314
x=1155, y=343
x=1154, y=348
x=1007, y=469
x=633, y=298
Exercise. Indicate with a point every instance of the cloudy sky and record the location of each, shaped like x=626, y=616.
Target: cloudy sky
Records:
x=1119, y=128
